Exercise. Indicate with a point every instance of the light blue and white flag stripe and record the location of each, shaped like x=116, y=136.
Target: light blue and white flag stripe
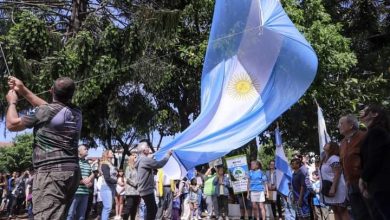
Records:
x=323, y=135
x=283, y=170
x=257, y=66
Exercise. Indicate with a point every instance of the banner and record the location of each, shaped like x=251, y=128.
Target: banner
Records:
x=215, y=163
x=238, y=170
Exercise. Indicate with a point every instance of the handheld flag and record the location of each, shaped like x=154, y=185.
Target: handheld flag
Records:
x=283, y=170
x=257, y=66
x=323, y=135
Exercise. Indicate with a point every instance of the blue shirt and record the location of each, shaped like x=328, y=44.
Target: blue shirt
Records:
x=257, y=180
x=11, y=184
x=298, y=181
x=316, y=198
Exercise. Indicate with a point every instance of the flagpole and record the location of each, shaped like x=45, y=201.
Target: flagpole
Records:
x=5, y=60
x=322, y=133
x=244, y=201
x=315, y=100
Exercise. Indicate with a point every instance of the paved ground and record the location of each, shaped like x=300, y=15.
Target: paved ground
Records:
x=24, y=217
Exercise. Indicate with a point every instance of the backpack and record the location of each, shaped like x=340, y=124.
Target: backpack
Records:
x=19, y=190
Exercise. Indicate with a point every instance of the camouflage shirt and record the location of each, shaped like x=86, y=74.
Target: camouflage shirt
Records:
x=56, y=134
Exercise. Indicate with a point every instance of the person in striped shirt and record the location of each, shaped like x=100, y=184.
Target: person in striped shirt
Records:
x=80, y=201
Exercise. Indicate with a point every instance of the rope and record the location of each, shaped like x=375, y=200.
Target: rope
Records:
x=109, y=72
x=5, y=61
x=140, y=62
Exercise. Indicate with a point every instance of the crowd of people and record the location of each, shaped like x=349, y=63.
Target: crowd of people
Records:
x=351, y=176
x=16, y=193
x=350, y=179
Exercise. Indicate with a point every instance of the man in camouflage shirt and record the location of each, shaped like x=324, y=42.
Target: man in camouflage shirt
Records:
x=57, y=129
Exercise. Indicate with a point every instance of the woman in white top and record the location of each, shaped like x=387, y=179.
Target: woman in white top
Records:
x=330, y=170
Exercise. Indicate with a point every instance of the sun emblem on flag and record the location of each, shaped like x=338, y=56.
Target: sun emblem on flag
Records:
x=242, y=86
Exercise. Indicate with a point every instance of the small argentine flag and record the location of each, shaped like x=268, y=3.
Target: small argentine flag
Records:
x=323, y=135
x=283, y=171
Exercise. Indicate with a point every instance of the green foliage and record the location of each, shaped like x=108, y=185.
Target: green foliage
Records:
x=30, y=36
x=367, y=24
x=28, y=43
x=266, y=153
x=337, y=88
x=173, y=78
x=19, y=156
x=140, y=71
x=97, y=60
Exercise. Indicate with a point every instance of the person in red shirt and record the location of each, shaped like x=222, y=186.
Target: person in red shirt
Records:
x=351, y=163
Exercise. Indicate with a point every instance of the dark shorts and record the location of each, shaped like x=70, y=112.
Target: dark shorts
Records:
x=241, y=198
x=53, y=193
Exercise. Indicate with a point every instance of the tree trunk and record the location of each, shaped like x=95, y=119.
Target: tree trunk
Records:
x=160, y=140
x=79, y=13
x=184, y=121
x=126, y=148
x=252, y=150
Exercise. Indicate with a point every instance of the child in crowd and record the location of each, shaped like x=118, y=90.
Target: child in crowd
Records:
x=193, y=199
x=320, y=210
x=99, y=201
x=95, y=211
x=141, y=210
x=288, y=204
x=184, y=190
x=221, y=182
x=28, y=201
x=119, y=196
x=176, y=202
x=257, y=189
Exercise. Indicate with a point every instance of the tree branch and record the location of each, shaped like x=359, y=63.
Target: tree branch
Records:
x=11, y=5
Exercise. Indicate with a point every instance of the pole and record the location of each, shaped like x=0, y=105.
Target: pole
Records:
x=244, y=201
x=5, y=60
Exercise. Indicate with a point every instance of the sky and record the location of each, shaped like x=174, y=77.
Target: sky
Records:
x=9, y=136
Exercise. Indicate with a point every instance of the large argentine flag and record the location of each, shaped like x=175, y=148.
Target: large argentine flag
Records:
x=323, y=135
x=257, y=65
x=283, y=170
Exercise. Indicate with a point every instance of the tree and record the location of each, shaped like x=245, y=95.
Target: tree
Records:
x=138, y=63
x=336, y=87
x=179, y=55
x=367, y=23
x=99, y=54
x=19, y=156
x=98, y=48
